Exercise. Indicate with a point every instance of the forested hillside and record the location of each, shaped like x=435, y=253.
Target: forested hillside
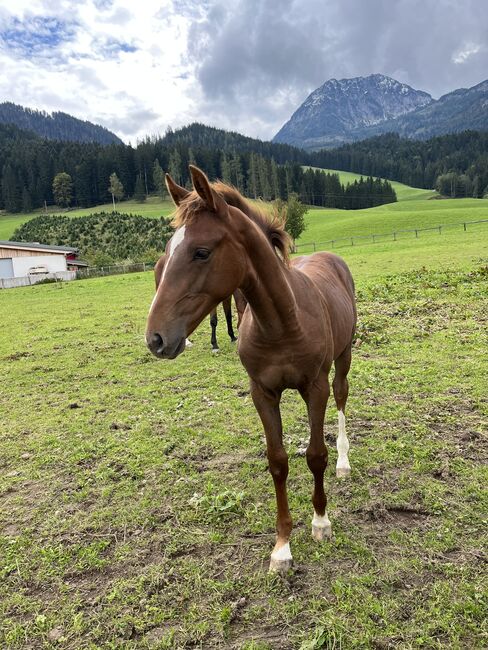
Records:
x=417, y=163
x=28, y=167
x=457, y=164
x=55, y=126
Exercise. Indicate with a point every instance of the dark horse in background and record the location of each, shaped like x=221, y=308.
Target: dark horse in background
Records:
x=239, y=300
x=300, y=318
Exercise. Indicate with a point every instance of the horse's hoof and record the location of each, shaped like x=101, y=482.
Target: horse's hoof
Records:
x=342, y=472
x=188, y=343
x=280, y=566
x=215, y=350
x=233, y=340
x=281, y=559
x=319, y=533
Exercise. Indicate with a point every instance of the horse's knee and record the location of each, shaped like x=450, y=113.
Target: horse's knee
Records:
x=278, y=465
x=317, y=460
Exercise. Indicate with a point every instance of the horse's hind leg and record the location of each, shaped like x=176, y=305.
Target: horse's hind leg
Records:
x=227, y=305
x=213, y=325
x=341, y=389
x=316, y=397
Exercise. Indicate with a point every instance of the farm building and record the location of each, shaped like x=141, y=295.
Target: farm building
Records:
x=34, y=261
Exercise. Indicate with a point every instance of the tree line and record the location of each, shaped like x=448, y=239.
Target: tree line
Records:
x=455, y=164
x=29, y=167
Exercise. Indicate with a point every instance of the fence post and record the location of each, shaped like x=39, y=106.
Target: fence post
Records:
x=440, y=229
x=374, y=238
x=352, y=241
x=314, y=247
x=394, y=236
x=416, y=233
x=464, y=227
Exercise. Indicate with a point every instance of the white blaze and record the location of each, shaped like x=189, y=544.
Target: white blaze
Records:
x=176, y=240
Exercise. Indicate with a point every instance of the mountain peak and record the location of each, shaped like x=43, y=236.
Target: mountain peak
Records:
x=344, y=110
x=340, y=105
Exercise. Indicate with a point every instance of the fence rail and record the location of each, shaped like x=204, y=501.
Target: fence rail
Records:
x=113, y=269
x=28, y=280
x=377, y=237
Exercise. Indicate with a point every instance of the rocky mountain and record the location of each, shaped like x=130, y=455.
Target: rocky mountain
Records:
x=461, y=110
x=353, y=109
x=55, y=126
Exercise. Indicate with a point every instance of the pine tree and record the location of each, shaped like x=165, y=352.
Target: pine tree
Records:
x=26, y=200
x=11, y=198
x=174, y=166
x=139, y=190
x=226, y=171
x=158, y=180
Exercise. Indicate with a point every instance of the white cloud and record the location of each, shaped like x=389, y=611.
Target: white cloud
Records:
x=468, y=51
x=245, y=65
x=117, y=60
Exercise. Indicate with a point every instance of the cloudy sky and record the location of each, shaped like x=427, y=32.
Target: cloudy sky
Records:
x=245, y=65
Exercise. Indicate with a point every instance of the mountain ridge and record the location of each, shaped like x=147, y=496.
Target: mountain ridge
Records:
x=344, y=111
x=56, y=125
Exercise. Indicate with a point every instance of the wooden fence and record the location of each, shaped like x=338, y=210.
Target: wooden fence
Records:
x=377, y=237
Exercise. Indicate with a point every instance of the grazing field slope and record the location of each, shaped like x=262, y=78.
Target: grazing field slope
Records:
x=324, y=225
x=136, y=509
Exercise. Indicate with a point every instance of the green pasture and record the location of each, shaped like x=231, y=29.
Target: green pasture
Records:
x=136, y=510
x=327, y=224
x=403, y=192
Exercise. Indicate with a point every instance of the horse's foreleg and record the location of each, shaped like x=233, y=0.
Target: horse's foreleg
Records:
x=268, y=407
x=227, y=305
x=341, y=389
x=213, y=325
x=316, y=396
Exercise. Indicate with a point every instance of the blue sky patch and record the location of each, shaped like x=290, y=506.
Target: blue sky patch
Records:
x=36, y=36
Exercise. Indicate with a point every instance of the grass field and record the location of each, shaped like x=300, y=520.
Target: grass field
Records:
x=403, y=192
x=136, y=510
x=324, y=225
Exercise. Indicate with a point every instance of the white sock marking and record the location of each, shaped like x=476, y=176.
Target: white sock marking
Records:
x=282, y=554
x=342, y=444
x=321, y=521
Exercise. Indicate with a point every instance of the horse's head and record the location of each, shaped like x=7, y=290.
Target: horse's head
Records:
x=199, y=267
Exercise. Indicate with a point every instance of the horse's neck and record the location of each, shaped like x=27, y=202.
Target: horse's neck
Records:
x=267, y=289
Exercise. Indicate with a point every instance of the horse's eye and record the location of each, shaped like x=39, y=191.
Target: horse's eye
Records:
x=201, y=254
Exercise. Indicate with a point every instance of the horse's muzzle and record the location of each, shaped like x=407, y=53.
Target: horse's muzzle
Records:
x=162, y=349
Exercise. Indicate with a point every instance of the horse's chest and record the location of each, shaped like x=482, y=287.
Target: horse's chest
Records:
x=282, y=368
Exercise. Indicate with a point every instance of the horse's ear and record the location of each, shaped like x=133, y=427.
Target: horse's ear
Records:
x=177, y=192
x=202, y=187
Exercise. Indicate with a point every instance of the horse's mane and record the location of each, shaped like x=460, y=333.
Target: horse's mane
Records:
x=271, y=222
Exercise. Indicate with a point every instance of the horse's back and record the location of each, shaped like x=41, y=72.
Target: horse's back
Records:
x=332, y=278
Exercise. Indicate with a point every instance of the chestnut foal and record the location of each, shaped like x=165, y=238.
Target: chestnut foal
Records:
x=300, y=318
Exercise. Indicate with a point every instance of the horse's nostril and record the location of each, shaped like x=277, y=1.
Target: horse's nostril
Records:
x=155, y=342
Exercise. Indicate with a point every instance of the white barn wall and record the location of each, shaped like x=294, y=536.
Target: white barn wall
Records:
x=53, y=263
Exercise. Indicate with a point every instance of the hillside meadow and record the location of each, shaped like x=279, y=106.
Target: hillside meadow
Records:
x=136, y=509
